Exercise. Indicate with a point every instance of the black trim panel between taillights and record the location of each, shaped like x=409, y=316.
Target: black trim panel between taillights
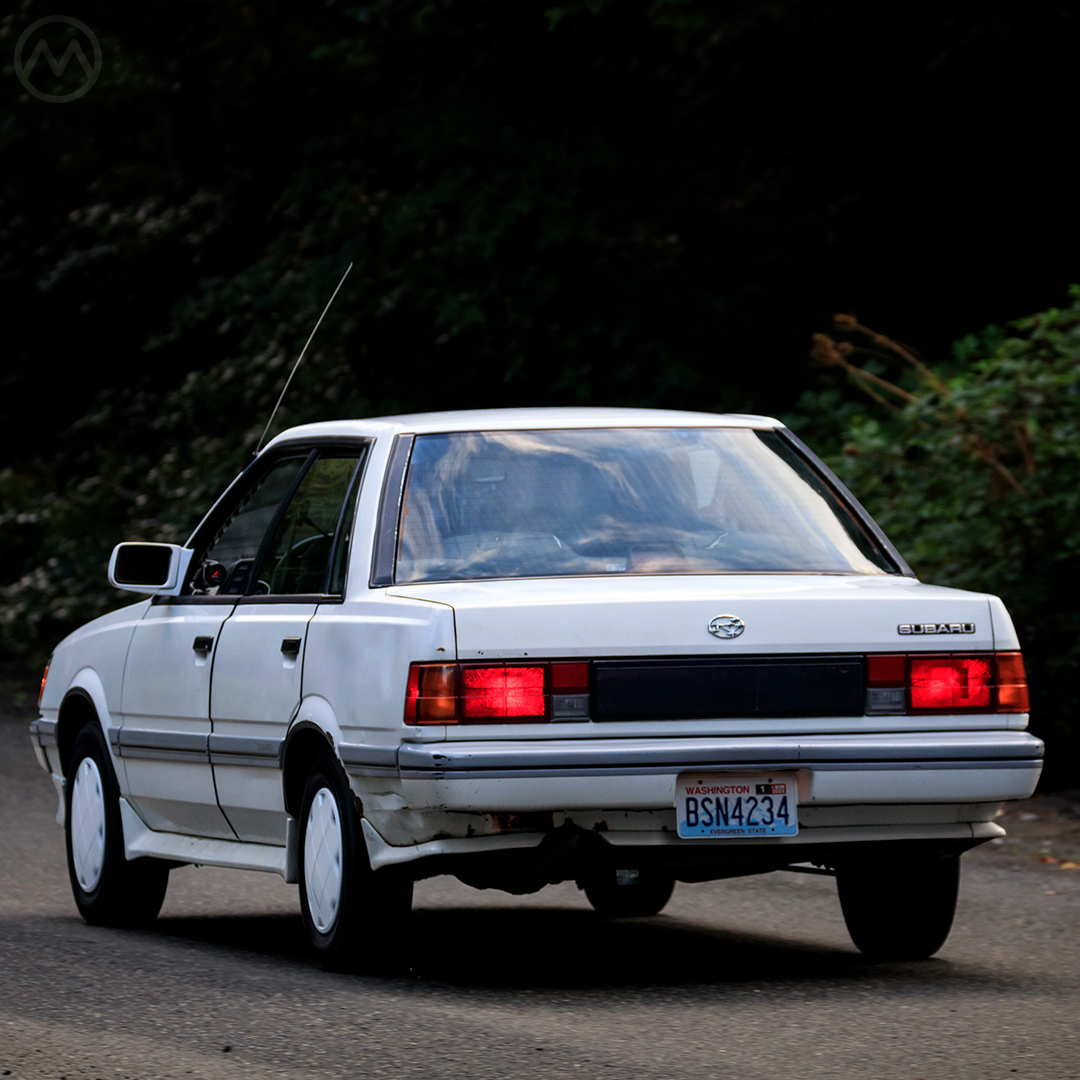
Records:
x=727, y=687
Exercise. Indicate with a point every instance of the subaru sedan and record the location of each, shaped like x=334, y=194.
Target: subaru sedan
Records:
x=623, y=648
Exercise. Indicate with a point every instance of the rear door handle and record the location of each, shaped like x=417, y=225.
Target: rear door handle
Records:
x=290, y=646
x=203, y=644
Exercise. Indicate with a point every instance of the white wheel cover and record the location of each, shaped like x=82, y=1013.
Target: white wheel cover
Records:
x=322, y=860
x=88, y=825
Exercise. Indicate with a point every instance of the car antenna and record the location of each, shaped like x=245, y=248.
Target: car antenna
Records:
x=299, y=358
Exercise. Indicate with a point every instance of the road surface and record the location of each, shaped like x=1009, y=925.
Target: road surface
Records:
x=748, y=980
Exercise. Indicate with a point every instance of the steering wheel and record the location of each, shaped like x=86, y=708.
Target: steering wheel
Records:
x=302, y=560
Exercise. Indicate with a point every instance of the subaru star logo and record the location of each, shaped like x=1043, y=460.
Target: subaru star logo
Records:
x=726, y=626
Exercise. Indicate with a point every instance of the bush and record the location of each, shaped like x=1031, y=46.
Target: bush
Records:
x=973, y=469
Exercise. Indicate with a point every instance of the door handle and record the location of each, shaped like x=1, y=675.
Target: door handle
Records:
x=290, y=646
x=203, y=644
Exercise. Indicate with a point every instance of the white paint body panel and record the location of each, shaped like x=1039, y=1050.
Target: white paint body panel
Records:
x=669, y=615
x=358, y=656
x=202, y=851
x=92, y=658
x=521, y=419
x=256, y=692
x=383, y=854
x=167, y=691
x=609, y=793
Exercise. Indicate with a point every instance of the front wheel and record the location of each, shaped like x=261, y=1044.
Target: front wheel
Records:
x=900, y=910
x=109, y=890
x=354, y=916
x=626, y=893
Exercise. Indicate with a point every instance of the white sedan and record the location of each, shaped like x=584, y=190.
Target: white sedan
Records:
x=620, y=647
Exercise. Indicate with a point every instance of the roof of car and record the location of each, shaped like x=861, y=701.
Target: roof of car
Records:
x=522, y=419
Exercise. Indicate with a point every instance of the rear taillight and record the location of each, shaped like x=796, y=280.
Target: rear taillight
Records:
x=497, y=693
x=503, y=693
x=431, y=697
x=886, y=684
x=947, y=683
x=1012, y=687
x=912, y=683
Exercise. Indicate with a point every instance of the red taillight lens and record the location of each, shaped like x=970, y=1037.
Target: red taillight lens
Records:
x=41, y=692
x=886, y=685
x=1012, y=683
x=432, y=694
x=570, y=677
x=497, y=693
x=502, y=693
x=886, y=671
x=951, y=682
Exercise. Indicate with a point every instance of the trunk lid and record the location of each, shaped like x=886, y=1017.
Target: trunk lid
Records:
x=671, y=616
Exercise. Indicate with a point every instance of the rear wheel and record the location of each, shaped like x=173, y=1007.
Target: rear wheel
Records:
x=900, y=910
x=625, y=893
x=354, y=916
x=108, y=889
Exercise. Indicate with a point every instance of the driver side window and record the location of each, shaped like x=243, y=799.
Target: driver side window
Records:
x=274, y=544
x=230, y=559
x=299, y=554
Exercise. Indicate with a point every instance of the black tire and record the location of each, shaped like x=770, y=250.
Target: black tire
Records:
x=629, y=893
x=359, y=923
x=901, y=910
x=108, y=889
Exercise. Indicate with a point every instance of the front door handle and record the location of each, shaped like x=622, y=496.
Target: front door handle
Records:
x=203, y=644
x=290, y=646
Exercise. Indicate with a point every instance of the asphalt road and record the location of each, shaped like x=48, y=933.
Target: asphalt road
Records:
x=743, y=980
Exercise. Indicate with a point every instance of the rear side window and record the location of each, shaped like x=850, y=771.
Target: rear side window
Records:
x=621, y=501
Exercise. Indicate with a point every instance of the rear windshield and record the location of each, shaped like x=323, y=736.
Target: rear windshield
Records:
x=513, y=504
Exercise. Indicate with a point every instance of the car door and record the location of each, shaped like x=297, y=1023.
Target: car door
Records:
x=165, y=701
x=258, y=664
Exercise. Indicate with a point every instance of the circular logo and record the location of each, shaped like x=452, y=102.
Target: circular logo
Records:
x=726, y=626
x=34, y=51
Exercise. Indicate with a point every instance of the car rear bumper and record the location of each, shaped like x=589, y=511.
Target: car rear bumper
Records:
x=640, y=774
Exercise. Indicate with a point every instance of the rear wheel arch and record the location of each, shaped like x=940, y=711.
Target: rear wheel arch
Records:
x=314, y=730
x=304, y=745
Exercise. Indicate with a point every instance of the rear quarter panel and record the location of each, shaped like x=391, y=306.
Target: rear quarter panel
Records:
x=357, y=657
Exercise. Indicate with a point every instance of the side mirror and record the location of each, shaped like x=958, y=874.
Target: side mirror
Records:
x=149, y=568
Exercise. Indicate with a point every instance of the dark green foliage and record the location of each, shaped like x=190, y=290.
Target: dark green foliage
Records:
x=973, y=470
x=642, y=202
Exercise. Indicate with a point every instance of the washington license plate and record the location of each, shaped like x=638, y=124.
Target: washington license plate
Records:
x=715, y=806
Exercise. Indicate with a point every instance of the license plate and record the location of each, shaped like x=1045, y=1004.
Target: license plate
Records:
x=716, y=807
